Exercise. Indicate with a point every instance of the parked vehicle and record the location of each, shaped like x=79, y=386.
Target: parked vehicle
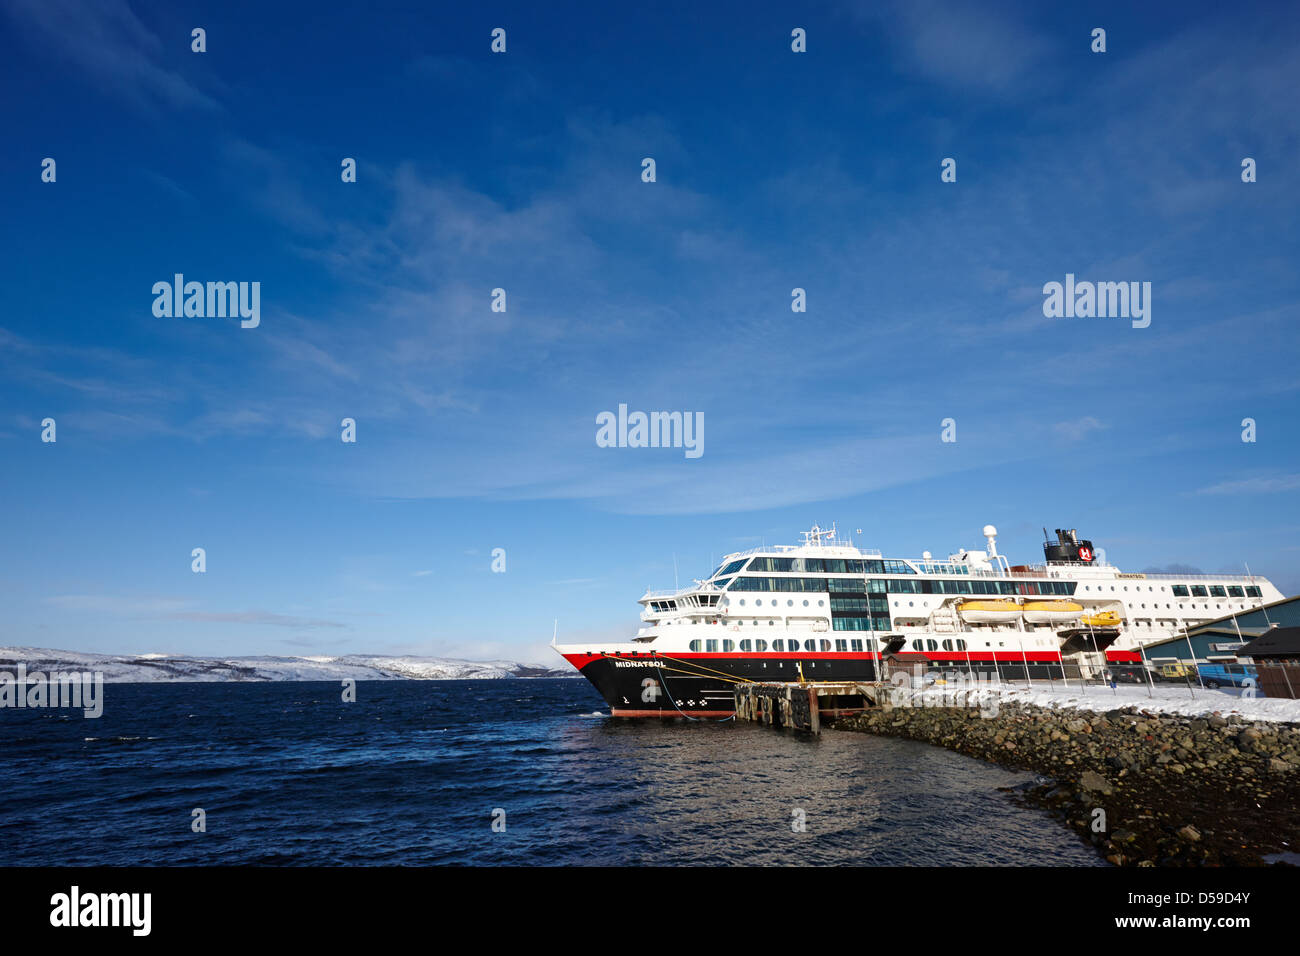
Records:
x=1227, y=675
x=1129, y=673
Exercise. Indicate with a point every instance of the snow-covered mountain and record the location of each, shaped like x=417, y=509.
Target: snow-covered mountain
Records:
x=126, y=668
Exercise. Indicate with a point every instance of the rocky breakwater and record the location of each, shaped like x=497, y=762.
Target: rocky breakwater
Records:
x=1146, y=789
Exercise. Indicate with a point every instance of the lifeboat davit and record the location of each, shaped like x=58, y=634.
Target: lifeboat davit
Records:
x=989, y=612
x=1052, y=612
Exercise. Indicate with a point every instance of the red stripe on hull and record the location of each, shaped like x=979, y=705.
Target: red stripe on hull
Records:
x=1123, y=657
x=1010, y=657
x=623, y=712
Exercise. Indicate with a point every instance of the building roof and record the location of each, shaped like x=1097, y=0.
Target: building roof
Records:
x=1219, y=623
x=1279, y=642
x=1207, y=633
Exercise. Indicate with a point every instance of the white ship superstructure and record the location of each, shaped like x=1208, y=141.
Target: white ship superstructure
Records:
x=826, y=610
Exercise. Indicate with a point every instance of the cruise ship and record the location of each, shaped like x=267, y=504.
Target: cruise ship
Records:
x=827, y=610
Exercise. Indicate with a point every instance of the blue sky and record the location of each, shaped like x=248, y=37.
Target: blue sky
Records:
x=476, y=429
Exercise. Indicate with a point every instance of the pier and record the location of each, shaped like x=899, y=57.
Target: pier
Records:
x=798, y=706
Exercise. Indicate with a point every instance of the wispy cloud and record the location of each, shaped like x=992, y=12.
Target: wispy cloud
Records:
x=1078, y=429
x=987, y=47
x=253, y=617
x=1253, y=486
x=180, y=609
x=113, y=48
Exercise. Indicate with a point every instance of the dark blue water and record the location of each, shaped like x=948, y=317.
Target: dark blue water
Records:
x=411, y=773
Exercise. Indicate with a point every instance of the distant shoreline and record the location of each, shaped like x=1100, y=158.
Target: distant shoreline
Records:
x=177, y=668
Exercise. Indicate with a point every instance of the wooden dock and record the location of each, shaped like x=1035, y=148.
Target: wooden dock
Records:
x=803, y=706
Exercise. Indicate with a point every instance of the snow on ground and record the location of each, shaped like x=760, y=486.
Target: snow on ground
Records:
x=1163, y=698
x=124, y=668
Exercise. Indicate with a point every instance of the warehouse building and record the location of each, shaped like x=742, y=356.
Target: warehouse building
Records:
x=1276, y=656
x=1222, y=638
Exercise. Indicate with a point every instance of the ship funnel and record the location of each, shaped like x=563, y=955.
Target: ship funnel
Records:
x=991, y=535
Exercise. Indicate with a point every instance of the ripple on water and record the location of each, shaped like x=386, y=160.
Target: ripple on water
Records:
x=289, y=775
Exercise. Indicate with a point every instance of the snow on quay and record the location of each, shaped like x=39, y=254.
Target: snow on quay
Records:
x=1195, y=701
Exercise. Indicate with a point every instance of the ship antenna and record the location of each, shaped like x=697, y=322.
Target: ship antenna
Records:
x=555, y=631
x=676, y=587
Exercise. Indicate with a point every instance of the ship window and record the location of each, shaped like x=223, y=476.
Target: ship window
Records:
x=1218, y=592
x=933, y=644
x=1198, y=591
x=947, y=645
x=789, y=603
x=695, y=646
x=1236, y=592
x=842, y=646
x=1180, y=590
x=805, y=603
x=961, y=645
x=742, y=602
x=728, y=645
x=1253, y=592
x=856, y=644
x=918, y=644
x=810, y=644
x=760, y=645
x=711, y=645
x=778, y=645
x=746, y=645
x=770, y=623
